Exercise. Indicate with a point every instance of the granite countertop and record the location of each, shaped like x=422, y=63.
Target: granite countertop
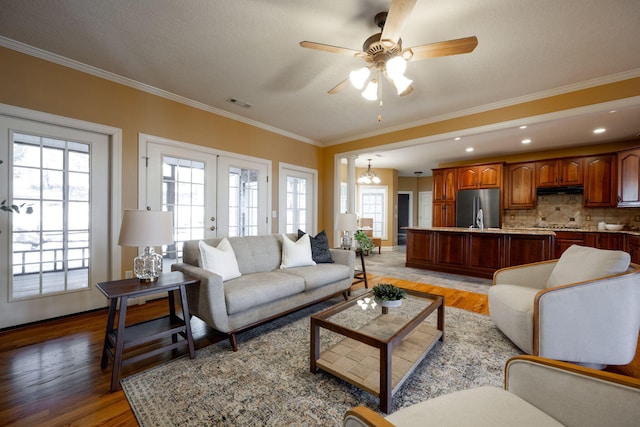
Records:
x=529, y=231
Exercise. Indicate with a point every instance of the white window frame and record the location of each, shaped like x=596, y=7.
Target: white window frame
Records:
x=282, y=193
x=362, y=190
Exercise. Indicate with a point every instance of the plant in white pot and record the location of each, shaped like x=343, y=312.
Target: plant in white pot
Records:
x=388, y=295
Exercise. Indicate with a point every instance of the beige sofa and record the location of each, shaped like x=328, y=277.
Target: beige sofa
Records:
x=264, y=290
x=537, y=392
x=583, y=307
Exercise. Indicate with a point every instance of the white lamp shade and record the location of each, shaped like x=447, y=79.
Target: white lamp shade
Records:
x=346, y=222
x=144, y=228
x=401, y=83
x=371, y=91
x=359, y=77
x=396, y=67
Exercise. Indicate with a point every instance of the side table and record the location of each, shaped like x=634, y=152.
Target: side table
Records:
x=119, y=339
x=360, y=275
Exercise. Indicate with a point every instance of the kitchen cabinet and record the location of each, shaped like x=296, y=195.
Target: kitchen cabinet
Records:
x=445, y=185
x=633, y=247
x=602, y=240
x=444, y=214
x=564, y=239
x=559, y=172
x=420, y=246
x=520, y=186
x=527, y=248
x=629, y=178
x=600, y=181
x=482, y=176
x=485, y=252
x=450, y=249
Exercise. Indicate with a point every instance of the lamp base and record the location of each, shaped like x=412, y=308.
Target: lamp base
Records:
x=148, y=266
x=347, y=241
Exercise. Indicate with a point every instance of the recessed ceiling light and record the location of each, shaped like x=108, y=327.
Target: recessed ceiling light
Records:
x=612, y=111
x=523, y=127
x=526, y=141
x=470, y=149
x=599, y=130
x=457, y=138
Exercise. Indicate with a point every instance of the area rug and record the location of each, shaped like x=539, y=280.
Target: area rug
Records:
x=267, y=382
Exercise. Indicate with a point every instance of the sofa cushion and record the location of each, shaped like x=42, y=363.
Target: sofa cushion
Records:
x=296, y=254
x=511, y=309
x=581, y=263
x=319, y=275
x=220, y=260
x=320, y=250
x=481, y=406
x=251, y=290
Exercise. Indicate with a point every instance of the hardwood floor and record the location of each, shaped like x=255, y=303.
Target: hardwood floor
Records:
x=50, y=372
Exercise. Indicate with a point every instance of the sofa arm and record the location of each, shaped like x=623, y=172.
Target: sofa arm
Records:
x=533, y=275
x=589, y=322
x=344, y=257
x=207, y=299
x=362, y=416
x=572, y=394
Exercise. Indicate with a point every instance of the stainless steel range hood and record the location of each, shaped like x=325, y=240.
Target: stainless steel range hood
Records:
x=569, y=189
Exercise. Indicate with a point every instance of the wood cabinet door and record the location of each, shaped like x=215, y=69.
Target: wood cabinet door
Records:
x=564, y=239
x=633, y=247
x=521, y=186
x=490, y=176
x=600, y=181
x=570, y=171
x=546, y=173
x=450, y=215
x=522, y=249
x=450, y=249
x=468, y=178
x=419, y=246
x=437, y=214
x=629, y=178
x=486, y=252
x=438, y=185
x=444, y=185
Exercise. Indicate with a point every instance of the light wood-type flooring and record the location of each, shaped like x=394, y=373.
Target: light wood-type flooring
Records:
x=50, y=372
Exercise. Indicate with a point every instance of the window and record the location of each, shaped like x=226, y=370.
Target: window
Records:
x=51, y=245
x=297, y=209
x=373, y=204
x=243, y=202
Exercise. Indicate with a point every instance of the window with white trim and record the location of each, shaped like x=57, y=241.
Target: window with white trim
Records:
x=373, y=204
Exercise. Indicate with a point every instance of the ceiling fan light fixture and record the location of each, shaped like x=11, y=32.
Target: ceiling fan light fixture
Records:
x=402, y=84
x=396, y=67
x=359, y=77
x=371, y=92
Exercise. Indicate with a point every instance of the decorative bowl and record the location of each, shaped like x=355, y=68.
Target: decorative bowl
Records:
x=614, y=227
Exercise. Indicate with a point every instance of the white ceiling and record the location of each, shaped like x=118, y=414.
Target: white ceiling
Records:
x=210, y=51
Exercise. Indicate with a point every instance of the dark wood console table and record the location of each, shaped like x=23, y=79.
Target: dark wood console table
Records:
x=119, y=339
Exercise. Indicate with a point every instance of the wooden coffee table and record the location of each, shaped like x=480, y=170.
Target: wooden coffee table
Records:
x=381, y=346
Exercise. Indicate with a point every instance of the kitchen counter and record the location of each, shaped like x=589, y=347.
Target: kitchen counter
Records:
x=527, y=231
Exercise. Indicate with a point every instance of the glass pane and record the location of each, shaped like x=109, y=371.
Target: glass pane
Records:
x=79, y=162
x=53, y=158
x=79, y=216
x=53, y=218
x=26, y=183
x=52, y=184
x=26, y=155
x=78, y=186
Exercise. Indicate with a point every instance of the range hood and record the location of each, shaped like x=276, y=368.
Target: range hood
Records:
x=568, y=189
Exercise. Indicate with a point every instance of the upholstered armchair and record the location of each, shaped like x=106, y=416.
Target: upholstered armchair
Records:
x=583, y=307
x=537, y=392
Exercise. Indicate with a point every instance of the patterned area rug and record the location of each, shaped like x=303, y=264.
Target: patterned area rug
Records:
x=267, y=381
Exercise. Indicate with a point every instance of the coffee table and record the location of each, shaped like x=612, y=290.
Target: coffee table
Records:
x=376, y=348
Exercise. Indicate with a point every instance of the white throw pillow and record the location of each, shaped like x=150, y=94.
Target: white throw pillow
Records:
x=581, y=263
x=220, y=260
x=296, y=254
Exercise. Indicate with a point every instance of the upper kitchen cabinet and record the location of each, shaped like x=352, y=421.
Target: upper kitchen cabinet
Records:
x=600, y=180
x=559, y=172
x=629, y=178
x=521, y=186
x=483, y=176
x=445, y=184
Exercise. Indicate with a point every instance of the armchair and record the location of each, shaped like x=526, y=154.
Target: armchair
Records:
x=583, y=307
x=537, y=392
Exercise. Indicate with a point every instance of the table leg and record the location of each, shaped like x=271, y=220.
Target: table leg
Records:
x=385, y=379
x=112, y=315
x=315, y=346
x=187, y=321
x=117, y=360
x=441, y=320
x=364, y=270
x=172, y=313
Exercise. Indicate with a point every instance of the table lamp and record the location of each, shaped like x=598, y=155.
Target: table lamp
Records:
x=146, y=228
x=347, y=223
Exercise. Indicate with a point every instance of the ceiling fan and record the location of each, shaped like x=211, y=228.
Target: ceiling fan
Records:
x=383, y=51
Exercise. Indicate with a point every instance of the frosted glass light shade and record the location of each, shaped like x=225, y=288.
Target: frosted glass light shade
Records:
x=401, y=83
x=396, y=67
x=371, y=92
x=359, y=77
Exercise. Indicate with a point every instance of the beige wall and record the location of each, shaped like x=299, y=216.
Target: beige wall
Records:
x=39, y=85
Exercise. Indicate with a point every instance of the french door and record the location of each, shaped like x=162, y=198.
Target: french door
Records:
x=298, y=188
x=58, y=245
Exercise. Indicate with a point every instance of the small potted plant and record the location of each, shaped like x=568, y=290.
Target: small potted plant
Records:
x=388, y=295
x=364, y=242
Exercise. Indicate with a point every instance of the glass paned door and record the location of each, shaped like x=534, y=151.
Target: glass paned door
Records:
x=60, y=248
x=297, y=199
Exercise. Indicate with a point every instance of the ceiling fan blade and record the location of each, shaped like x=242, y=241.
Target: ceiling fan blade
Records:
x=397, y=17
x=331, y=49
x=337, y=88
x=446, y=48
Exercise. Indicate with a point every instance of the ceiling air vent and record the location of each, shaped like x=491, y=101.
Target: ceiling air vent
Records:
x=239, y=103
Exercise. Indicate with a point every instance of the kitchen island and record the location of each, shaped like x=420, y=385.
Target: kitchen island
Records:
x=475, y=252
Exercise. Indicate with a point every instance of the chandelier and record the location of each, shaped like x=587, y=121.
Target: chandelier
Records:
x=369, y=177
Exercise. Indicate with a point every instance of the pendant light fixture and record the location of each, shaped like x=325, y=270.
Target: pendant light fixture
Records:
x=369, y=177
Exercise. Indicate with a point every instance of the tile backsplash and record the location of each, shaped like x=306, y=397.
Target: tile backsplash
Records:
x=566, y=210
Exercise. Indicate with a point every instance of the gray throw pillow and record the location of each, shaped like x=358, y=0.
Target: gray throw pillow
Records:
x=319, y=247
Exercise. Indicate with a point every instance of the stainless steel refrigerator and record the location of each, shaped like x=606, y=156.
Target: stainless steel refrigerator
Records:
x=468, y=202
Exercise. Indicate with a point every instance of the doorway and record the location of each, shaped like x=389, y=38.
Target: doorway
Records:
x=405, y=215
